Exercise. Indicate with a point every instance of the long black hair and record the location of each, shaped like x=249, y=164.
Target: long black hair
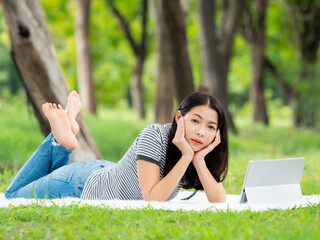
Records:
x=217, y=159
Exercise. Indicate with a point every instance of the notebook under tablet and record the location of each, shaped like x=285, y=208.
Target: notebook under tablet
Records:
x=272, y=181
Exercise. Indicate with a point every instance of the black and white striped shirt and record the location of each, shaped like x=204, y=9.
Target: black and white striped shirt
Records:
x=121, y=181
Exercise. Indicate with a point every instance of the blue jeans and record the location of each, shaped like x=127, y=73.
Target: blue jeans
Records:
x=49, y=174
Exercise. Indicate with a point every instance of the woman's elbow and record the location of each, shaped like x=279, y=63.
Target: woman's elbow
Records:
x=149, y=197
x=219, y=199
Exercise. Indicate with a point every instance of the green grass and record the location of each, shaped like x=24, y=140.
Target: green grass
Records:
x=114, y=130
x=19, y=132
x=74, y=222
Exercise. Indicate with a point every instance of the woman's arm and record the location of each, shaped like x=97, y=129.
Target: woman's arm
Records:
x=152, y=188
x=214, y=190
x=149, y=173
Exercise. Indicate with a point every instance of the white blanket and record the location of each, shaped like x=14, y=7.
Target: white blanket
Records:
x=198, y=203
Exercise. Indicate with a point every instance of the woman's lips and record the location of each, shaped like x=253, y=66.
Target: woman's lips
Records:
x=196, y=141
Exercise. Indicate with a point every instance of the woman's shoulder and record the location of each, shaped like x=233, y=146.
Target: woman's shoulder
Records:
x=157, y=130
x=164, y=128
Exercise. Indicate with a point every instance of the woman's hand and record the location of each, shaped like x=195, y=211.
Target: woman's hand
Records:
x=180, y=140
x=200, y=155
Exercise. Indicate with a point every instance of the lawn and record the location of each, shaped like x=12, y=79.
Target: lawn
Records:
x=114, y=130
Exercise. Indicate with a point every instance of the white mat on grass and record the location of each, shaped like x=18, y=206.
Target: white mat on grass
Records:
x=198, y=203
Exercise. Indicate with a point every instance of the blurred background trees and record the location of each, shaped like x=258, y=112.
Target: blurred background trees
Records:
x=83, y=53
x=35, y=60
x=253, y=55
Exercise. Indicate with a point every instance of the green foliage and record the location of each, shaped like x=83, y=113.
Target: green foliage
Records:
x=112, y=56
x=113, y=59
x=9, y=79
x=192, y=31
x=240, y=74
x=284, y=37
x=60, y=16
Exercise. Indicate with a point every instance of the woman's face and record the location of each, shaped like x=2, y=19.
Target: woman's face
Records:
x=201, y=124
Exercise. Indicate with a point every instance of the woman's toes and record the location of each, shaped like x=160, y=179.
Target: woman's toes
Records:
x=45, y=107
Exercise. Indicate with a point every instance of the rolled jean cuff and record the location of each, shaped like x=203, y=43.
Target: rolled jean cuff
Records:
x=56, y=144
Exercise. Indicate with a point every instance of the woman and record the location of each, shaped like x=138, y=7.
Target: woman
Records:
x=192, y=152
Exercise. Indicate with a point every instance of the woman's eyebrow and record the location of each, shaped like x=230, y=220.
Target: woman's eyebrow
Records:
x=199, y=116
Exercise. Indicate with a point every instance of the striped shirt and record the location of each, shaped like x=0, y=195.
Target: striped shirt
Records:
x=121, y=181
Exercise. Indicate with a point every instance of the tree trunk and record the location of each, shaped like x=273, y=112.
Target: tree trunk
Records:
x=139, y=50
x=230, y=19
x=285, y=88
x=84, y=65
x=209, y=47
x=303, y=92
x=136, y=86
x=305, y=16
x=253, y=30
x=305, y=103
x=165, y=77
x=183, y=78
x=258, y=63
x=40, y=72
x=216, y=49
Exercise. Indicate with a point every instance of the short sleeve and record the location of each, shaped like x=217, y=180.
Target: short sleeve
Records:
x=150, y=144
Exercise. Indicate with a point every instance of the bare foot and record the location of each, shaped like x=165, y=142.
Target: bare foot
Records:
x=60, y=125
x=72, y=109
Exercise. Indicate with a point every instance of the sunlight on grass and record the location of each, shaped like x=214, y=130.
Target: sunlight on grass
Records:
x=34, y=222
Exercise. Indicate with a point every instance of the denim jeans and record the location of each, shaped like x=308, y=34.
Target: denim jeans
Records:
x=49, y=174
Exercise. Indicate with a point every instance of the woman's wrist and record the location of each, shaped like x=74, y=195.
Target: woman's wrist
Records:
x=199, y=163
x=187, y=158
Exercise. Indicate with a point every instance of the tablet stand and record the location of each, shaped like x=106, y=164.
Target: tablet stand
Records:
x=272, y=194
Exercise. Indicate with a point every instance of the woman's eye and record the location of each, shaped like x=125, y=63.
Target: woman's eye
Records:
x=212, y=127
x=194, y=120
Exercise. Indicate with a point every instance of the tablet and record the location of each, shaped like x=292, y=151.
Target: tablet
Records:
x=272, y=181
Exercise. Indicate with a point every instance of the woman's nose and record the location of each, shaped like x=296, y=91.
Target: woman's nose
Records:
x=200, y=131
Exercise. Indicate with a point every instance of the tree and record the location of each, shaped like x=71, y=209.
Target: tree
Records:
x=305, y=16
x=139, y=50
x=216, y=47
x=183, y=78
x=39, y=70
x=84, y=63
x=302, y=92
x=165, y=77
x=255, y=35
